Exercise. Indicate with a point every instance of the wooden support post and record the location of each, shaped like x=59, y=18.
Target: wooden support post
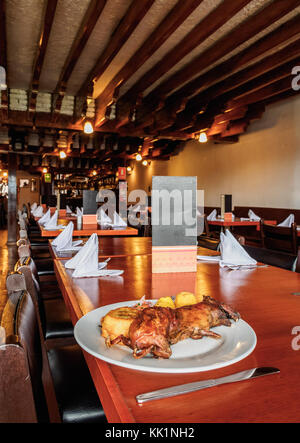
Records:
x=12, y=200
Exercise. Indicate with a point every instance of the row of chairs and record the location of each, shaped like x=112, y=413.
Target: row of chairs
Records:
x=278, y=245
x=43, y=373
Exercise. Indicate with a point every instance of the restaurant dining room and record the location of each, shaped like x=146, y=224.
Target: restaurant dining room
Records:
x=149, y=214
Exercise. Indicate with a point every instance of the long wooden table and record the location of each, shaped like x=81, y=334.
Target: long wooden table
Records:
x=86, y=232
x=239, y=222
x=112, y=246
x=267, y=298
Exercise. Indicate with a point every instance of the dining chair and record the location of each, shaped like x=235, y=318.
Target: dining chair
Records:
x=51, y=312
x=278, y=238
x=58, y=376
x=282, y=260
x=208, y=239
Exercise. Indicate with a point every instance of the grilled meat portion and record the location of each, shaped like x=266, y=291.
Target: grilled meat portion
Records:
x=156, y=328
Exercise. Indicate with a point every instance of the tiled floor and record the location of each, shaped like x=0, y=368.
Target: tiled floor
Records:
x=8, y=258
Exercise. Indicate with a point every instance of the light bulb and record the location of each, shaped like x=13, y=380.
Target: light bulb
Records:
x=62, y=155
x=45, y=170
x=145, y=163
x=129, y=169
x=203, y=137
x=88, y=128
x=139, y=158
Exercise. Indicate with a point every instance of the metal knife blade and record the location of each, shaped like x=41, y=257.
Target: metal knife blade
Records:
x=196, y=386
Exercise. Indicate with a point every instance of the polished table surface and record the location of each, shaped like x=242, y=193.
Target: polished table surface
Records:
x=85, y=232
x=239, y=222
x=267, y=298
x=112, y=246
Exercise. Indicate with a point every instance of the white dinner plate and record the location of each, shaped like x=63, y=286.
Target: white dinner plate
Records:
x=237, y=342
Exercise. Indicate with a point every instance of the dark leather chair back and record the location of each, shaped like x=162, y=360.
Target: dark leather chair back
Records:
x=280, y=259
x=278, y=238
x=26, y=266
x=22, y=395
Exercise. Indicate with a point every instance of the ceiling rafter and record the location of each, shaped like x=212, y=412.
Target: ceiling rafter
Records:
x=125, y=28
x=169, y=24
x=87, y=26
x=49, y=15
x=206, y=27
x=245, y=31
x=289, y=30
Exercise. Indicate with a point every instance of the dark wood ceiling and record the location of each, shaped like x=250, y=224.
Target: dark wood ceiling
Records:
x=150, y=74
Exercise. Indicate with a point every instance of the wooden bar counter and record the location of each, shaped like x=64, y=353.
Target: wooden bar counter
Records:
x=267, y=299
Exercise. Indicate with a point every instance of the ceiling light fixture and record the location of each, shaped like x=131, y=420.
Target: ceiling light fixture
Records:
x=203, y=137
x=139, y=158
x=88, y=128
x=62, y=155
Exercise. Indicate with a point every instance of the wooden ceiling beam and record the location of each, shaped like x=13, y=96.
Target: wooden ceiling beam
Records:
x=169, y=24
x=211, y=23
x=250, y=73
x=248, y=29
x=289, y=30
x=49, y=15
x=219, y=103
x=133, y=16
x=263, y=93
x=285, y=32
x=87, y=26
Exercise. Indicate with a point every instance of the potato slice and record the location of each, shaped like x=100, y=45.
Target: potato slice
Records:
x=117, y=322
x=165, y=302
x=185, y=299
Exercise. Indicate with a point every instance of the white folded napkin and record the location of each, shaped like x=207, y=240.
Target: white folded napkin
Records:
x=118, y=221
x=287, y=223
x=52, y=223
x=68, y=210
x=85, y=263
x=38, y=212
x=212, y=216
x=213, y=258
x=64, y=241
x=253, y=216
x=33, y=207
x=232, y=253
x=79, y=213
x=102, y=218
x=46, y=217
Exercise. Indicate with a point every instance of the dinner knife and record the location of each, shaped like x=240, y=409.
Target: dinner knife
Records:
x=198, y=385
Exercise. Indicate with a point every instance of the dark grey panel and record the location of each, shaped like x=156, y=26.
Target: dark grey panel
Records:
x=89, y=202
x=174, y=205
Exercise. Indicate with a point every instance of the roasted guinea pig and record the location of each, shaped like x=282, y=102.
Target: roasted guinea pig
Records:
x=155, y=328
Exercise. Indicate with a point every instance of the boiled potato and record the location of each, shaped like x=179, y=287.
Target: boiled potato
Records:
x=165, y=302
x=199, y=298
x=185, y=299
